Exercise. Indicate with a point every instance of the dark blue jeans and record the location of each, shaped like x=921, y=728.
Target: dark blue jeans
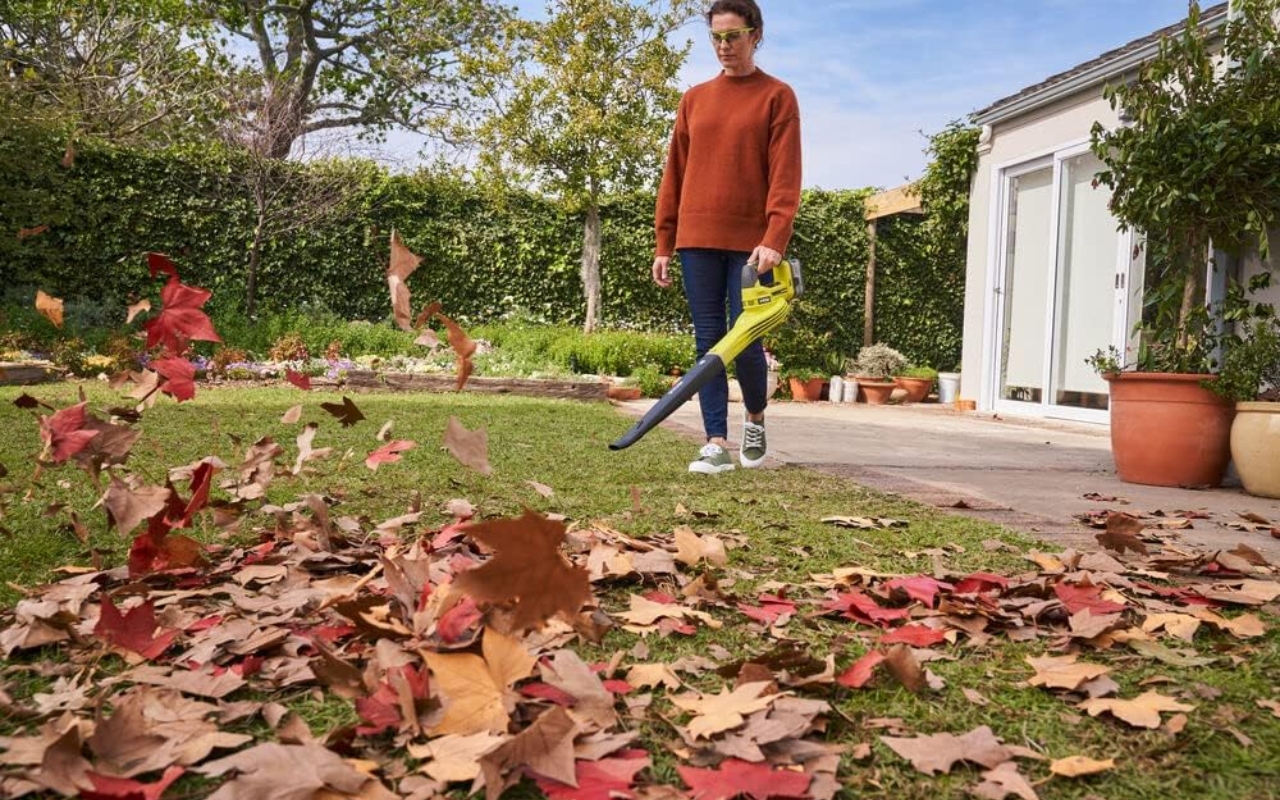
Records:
x=712, y=283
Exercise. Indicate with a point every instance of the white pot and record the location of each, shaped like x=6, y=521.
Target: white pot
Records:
x=850, y=393
x=836, y=392
x=948, y=387
x=1255, y=445
x=771, y=384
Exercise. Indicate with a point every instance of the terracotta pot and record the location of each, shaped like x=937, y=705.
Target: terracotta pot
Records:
x=808, y=390
x=1168, y=430
x=1255, y=447
x=876, y=392
x=917, y=389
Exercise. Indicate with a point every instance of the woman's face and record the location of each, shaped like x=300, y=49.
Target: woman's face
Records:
x=735, y=43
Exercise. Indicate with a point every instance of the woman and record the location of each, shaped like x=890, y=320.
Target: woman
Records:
x=729, y=195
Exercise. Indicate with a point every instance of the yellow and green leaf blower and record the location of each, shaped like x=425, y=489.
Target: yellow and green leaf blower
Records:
x=764, y=308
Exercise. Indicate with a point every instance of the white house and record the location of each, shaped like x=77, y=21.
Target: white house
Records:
x=1050, y=278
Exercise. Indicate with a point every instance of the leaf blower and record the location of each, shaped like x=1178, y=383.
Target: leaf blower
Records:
x=764, y=308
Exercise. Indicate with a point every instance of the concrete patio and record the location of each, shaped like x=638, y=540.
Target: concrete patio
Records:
x=1030, y=475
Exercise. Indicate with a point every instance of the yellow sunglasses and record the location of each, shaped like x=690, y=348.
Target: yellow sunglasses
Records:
x=730, y=37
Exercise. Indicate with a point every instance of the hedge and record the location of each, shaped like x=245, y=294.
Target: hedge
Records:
x=483, y=257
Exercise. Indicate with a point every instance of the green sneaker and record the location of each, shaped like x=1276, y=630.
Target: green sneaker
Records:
x=753, y=445
x=712, y=459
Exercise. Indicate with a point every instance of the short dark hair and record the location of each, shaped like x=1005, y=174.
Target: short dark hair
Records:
x=747, y=9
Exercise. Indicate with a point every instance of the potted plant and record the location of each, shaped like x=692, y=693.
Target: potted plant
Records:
x=1250, y=377
x=805, y=383
x=874, y=369
x=1188, y=172
x=917, y=382
x=949, y=386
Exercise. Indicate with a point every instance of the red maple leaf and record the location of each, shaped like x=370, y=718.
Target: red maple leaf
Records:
x=914, y=635
x=767, y=613
x=736, y=778
x=1078, y=598
x=63, y=432
x=158, y=263
x=856, y=676
x=158, y=549
x=981, y=583
x=180, y=514
x=180, y=320
x=861, y=608
x=109, y=787
x=179, y=375
x=303, y=382
x=605, y=779
x=455, y=622
x=545, y=691
x=389, y=453
x=920, y=587
x=382, y=709
x=133, y=631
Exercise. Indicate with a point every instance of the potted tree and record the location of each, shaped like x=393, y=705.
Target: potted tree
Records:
x=1190, y=172
x=917, y=382
x=874, y=369
x=1250, y=377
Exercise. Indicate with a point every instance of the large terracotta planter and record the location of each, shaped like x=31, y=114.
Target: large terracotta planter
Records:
x=1168, y=430
x=1255, y=447
x=806, y=391
x=917, y=389
x=877, y=393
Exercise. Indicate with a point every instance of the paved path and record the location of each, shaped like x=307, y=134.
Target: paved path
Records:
x=1030, y=475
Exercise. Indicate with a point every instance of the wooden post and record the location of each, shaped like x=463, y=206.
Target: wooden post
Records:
x=869, y=312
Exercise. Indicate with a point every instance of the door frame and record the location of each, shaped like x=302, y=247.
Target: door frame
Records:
x=997, y=266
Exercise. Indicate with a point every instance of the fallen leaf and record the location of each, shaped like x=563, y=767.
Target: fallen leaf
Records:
x=107, y=787
x=304, y=771
x=605, y=779
x=527, y=570
x=180, y=319
x=455, y=758
x=1079, y=766
x=475, y=688
x=1004, y=780
x=305, y=451
x=27, y=233
x=1141, y=712
x=904, y=666
x=345, y=412
x=1063, y=672
x=49, y=307
x=940, y=751
x=726, y=710
x=462, y=345
x=135, y=630
x=856, y=676
x=914, y=635
x=64, y=433
x=737, y=778
x=546, y=747
x=127, y=507
x=179, y=377
x=292, y=415
x=140, y=307
x=1122, y=534
x=470, y=448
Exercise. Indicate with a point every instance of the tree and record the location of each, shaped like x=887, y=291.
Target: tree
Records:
x=582, y=106
x=324, y=64
x=118, y=70
x=1198, y=166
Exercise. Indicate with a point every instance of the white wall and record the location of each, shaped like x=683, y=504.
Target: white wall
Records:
x=1042, y=132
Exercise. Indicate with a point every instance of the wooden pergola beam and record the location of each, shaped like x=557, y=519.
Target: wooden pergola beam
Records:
x=902, y=200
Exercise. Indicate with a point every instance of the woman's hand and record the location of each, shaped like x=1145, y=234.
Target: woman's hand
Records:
x=661, y=271
x=765, y=259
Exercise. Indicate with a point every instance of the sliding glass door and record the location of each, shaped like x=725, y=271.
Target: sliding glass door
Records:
x=1062, y=288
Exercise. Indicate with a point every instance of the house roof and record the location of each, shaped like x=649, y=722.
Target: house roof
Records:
x=1091, y=73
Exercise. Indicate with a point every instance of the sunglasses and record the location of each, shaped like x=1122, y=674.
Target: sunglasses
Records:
x=730, y=37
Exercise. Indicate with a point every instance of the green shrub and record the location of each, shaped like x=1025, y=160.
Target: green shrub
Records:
x=622, y=352
x=920, y=372
x=651, y=380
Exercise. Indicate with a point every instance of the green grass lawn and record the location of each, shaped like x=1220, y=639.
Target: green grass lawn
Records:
x=564, y=445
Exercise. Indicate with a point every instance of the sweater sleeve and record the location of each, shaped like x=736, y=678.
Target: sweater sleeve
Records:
x=668, y=207
x=784, y=173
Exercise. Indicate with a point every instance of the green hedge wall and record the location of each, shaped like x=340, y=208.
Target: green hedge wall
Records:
x=482, y=258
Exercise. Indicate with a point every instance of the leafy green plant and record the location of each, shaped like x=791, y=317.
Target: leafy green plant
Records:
x=878, y=362
x=651, y=380
x=1192, y=170
x=1251, y=367
x=928, y=373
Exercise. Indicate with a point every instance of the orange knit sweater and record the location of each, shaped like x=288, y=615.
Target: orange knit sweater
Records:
x=732, y=179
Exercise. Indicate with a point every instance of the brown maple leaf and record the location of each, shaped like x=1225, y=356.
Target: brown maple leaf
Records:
x=476, y=688
x=463, y=345
x=527, y=570
x=546, y=747
x=403, y=263
x=940, y=752
x=50, y=308
x=346, y=412
x=1122, y=534
x=470, y=448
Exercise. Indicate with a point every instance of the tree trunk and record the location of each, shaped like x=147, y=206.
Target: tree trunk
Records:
x=255, y=259
x=1197, y=263
x=591, y=266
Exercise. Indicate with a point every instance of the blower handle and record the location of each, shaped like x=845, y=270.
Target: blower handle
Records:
x=787, y=271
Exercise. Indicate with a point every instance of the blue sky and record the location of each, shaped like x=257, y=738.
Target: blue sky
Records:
x=874, y=76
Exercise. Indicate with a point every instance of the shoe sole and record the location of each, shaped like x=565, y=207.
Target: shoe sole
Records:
x=748, y=463
x=709, y=469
